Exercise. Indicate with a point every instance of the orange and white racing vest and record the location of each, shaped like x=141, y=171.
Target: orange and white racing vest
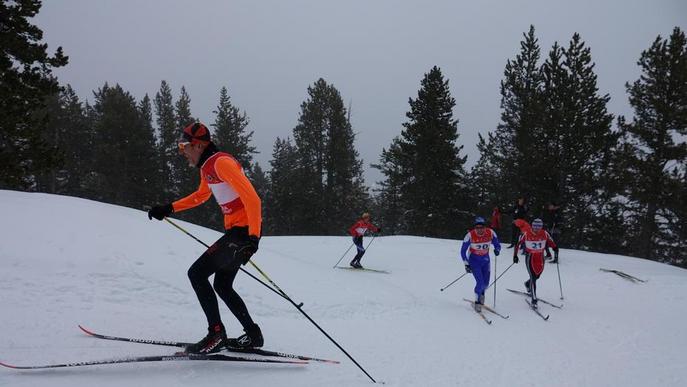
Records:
x=222, y=177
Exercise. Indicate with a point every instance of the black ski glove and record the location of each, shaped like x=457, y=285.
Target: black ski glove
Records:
x=247, y=248
x=516, y=259
x=497, y=252
x=467, y=268
x=160, y=212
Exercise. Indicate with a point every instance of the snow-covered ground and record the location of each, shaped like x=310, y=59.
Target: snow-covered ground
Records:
x=67, y=261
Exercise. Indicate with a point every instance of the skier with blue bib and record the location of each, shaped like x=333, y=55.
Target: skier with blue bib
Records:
x=477, y=241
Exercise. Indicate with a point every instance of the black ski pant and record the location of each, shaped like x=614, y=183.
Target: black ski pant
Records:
x=358, y=242
x=220, y=259
x=535, y=266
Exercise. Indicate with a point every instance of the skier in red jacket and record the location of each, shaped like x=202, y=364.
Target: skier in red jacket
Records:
x=533, y=241
x=495, y=219
x=357, y=231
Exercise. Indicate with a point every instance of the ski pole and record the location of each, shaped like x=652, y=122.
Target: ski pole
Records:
x=286, y=297
x=366, y=247
x=342, y=257
x=454, y=281
x=558, y=269
x=495, y=271
x=240, y=268
x=504, y=272
x=370, y=242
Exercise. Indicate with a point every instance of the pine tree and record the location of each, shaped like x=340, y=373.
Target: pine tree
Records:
x=70, y=135
x=188, y=176
x=283, y=203
x=345, y=192
x=332, y=186
x=149, y=173
x=26, y=82
x=575, y=144
x=310, y=140
x=230, y=130
x=183, y=111
x=388, y=201
x=124, y=149
x=507, y=164
x=521, y=117
x=434, y=190
x=486, y=185
x=187, y=182
x=653, y=153
x=169, y=134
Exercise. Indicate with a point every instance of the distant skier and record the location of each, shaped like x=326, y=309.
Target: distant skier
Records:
x=357, y=231
x=495, y=223
x=519, y=211
x=477, y=241
x=221, y=176
x=533, y=241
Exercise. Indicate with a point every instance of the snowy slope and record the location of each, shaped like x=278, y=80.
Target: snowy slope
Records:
x=67, y=261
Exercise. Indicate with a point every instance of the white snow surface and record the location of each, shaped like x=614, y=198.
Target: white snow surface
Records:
x=66, y=261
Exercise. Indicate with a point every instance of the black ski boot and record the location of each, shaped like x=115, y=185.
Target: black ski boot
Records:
x=478, y=305
x=213, y=342
x=534, y=303
x=251, y=339
x=356, y=264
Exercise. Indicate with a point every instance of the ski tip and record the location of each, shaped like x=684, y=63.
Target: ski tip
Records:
x=8, y=365
x=86, y=331
x=546, y=318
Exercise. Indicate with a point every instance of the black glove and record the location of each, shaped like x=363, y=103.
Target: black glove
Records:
x=467, y=268
x=516, y=259
x=497, y=252
x=247, y=248
x=160, y=212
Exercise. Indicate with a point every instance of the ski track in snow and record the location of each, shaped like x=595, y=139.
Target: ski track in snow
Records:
x=67, y=261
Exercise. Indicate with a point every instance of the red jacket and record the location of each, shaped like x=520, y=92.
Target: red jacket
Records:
x=534, y=242
x=360, y=227
x=496, y=219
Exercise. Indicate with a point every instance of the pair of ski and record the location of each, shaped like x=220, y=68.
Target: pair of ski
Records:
x=534, y=308
x=287, y=358
x=488, y=309
x=363, y=269
x=624, y=275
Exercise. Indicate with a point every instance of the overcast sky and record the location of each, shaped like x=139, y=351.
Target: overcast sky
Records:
x=375, y=52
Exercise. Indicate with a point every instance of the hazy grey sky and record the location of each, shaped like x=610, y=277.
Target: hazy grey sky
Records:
x=375, y=52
